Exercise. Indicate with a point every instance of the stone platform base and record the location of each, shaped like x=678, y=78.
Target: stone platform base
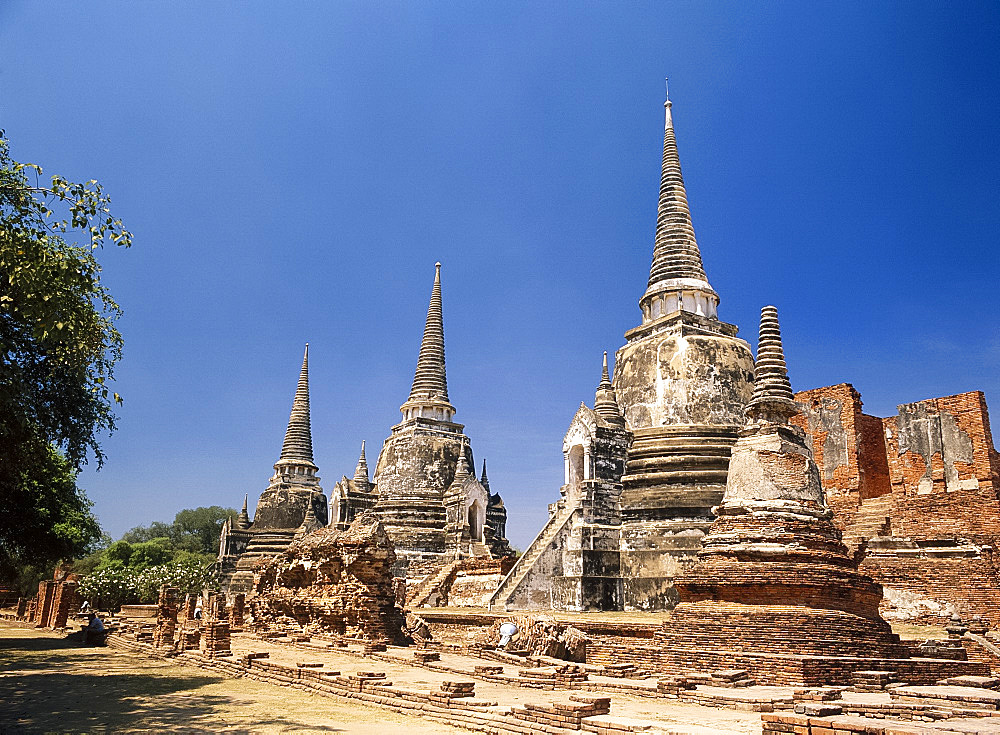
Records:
x=791, y=669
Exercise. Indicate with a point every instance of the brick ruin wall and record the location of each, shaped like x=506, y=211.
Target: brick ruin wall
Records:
x=934, y=476
x=847, y=445
x=964, y=585
x=476, y=580
x=942, y=444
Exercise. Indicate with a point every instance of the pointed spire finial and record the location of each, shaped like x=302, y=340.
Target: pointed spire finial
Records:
x=430, y=381
x=361, y=471
x=668, y=119
x=675, y=253
x=462, y=469
x=772, y=398
x=605, y=399
x=297, y=447
x=483, y=479
x=605, y=378
x=677, y=279
x=243, y=519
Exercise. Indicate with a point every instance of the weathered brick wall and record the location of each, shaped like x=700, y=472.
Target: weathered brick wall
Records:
x=848, y=446
x=970, y=584
x=937, y=464
x=942, y=444
x=872, y=460
x=968, y=515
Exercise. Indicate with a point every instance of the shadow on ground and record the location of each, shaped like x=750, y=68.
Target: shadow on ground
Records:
x=46, y=686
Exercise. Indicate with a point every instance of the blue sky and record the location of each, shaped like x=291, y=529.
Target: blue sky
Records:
x=292, y=171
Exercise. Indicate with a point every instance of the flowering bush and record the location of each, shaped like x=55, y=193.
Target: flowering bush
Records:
x=189, y=576
x=117, y=585
x=111, y=587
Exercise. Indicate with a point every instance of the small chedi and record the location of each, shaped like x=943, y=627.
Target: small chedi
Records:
x=774, y=590
x=332, y=581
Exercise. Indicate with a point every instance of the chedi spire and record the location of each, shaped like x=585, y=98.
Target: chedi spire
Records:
x=297, y=448
x=677, y=280
x=483, y=479
x=772, y=398
x=361, y=471
x=605, y=400
x=429, y=392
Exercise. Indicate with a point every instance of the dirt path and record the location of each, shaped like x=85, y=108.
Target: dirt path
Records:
x=50, y=685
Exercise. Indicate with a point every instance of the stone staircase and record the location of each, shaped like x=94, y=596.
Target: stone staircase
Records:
x=527, y=560
x=432, y=583
x=871, y=520
x=478, y=549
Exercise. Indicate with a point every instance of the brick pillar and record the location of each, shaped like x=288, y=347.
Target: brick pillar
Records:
x=64, y=600
x=190, y=603
x=239, y=610
x=214, y=638
x=22, y=608
x=43, y=608
x=166, y=617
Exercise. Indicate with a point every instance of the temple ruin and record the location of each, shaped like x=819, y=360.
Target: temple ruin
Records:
x=434, y=509
x=659, y=464
x=917, y=496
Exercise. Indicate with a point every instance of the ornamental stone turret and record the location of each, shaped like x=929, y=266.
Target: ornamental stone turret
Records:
x=242, y=522
x=605, y=401
x=361, y=471
x=350, y=498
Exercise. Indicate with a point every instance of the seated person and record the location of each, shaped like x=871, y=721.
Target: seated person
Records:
x=94, y=631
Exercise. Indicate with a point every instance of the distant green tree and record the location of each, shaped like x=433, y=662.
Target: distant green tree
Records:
x=193, y=529
x=156, y=529
x=58, y=348
x=203, y=526
x=151, y=554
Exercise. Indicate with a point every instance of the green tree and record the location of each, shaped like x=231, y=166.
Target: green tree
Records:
x=156, y=529
x=202, y=526
x=58, y=348
x=193, y=529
